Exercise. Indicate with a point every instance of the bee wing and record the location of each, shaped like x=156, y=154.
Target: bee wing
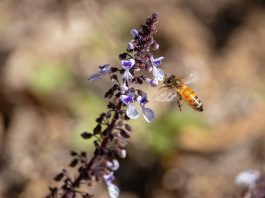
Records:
x=191, y=78
x=166, y=95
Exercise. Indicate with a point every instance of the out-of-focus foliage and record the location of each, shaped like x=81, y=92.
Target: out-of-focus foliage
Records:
x=49, y=48
x=49, y=79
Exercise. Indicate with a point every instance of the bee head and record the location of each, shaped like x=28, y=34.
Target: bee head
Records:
x=169, y=80
x=172, y=81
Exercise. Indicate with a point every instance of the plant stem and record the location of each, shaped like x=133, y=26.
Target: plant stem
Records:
x=109, y=129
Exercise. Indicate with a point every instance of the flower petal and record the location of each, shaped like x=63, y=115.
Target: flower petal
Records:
x=158, y=74
x=157, y=61
x=113, y=165
x=108, y=178
x=128, y=64
x=130, y=46
x=142, y=99
x=127, y=75
x=152, y=82
x=124, y=88
x=135, y=33
x=149, y=115
x=127, y=99
x=103, y=69
x=132, y=61
x=132, y=112
x=248, y=178
x=94, y=77
x=114, y=191
x=122, y=153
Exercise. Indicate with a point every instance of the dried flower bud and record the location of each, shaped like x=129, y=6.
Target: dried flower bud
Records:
x=73, y=163
x=86, y=135
x=97, y=129
x=59, y=177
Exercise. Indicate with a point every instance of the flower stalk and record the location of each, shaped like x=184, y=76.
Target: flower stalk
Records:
x=112, y=131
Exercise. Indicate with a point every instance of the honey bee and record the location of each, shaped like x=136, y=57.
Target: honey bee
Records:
x=177, y=90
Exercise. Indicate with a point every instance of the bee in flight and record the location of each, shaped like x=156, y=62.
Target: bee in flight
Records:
x=176, y=89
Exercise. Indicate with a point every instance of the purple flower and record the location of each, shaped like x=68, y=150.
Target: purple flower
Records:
x=148, y=113
x=114, y=191
x=128, y=99
x=142, y=99
x=248, y=178
x=111, y=132
x=131, y=111
x=127, y=65
x=152, y=82
x=135, y=33
x=102, y=70
x=157, y=61
x=113, y=165
x=158, y=73
x=109, y=178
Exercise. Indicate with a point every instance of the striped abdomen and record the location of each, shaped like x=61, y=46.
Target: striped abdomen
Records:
x=191, y=98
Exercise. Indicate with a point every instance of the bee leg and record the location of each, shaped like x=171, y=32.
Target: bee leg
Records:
x=163, y=87
x=179, y=100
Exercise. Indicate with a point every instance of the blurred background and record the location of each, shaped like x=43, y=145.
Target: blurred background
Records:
x=48, y=48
